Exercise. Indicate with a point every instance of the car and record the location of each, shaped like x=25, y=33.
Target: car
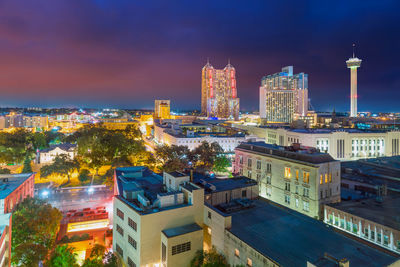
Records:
x=86, y=209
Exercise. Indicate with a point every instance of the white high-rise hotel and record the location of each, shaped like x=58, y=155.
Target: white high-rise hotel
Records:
x=282, y=94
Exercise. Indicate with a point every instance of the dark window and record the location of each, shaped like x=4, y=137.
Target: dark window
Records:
x=181, y=248
x=120, y=214
x=244, y=193
x=120, y=230
x=209, y=215
x=132, y=241
x=119, y=250
x=131, y=263
x=132, y=224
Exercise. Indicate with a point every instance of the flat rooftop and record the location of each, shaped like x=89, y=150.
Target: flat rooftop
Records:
x=181, y=230
x=10, y=182
x=212, y=185
x=309, y=155
x=291, y=239
x=375, y=172
x=385, y=212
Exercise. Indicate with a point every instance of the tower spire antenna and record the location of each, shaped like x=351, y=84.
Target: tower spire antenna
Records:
x=354, y=48
x=208, y=60
x=229, y=61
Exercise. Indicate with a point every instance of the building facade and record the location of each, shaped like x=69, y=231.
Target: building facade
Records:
x=162, y=109
x=219, y=93
x=14, y=188
x=341, y=144
x=154, y=226
x=47, y=155
x=282, y=94
x=369, y=219
x=301, y=179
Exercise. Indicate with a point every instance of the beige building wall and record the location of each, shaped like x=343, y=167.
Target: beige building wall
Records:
x=182, y=259
x=150, y=226
x=294, y=184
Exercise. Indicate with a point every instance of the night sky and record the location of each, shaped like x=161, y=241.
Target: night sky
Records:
x=124, y=54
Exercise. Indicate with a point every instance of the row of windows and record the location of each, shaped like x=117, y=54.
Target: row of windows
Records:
x=306, y=204
x=131, y=222
x=132, y=242
x=328, y=178
x=249, y=261
x=249, y=163
x=181, y=248
x=288, y=174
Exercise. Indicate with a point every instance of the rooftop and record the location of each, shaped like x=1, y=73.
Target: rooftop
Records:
x=291, y=239
x=10, y=182
x=181, y=230
x=65, y=147
x=385, y=212
x=375, y=172
x=224, y=184
x=308, y=155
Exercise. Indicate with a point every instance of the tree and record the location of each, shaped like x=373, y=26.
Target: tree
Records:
x=172, y=158
x=15, y=146
x=27, y=165
x=209, y=258
x=84, y=175
x=100, y=258
x=62, y=165
x=39, y=141
x=205, y=154
x=98, y=252
x=35, y=227
x=221, y=164
x=63, y=256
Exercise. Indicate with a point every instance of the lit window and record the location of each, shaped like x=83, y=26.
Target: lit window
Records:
x=297, y=175
x=287, y=172
x=237, y=253
x=330, y=177
x=209, y=230
x=326, y=178
x=249, y=262
x=320, y=179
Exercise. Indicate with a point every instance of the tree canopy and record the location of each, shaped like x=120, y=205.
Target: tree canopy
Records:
x=35, y=226
x=62, y=165
x=209, y=258
x=63, y=256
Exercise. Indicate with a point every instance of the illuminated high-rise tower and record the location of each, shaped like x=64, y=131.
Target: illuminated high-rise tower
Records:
x=282, y=95
x=218, y=92
x=353, y=63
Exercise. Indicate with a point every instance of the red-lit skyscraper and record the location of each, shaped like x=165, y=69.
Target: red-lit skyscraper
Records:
x=218, y=92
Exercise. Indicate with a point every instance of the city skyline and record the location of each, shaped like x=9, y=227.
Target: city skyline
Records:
x=111, y=59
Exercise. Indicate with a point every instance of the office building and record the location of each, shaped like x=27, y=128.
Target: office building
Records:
x=162, y=109
x=373, y=220
x=157, y=220
x=353, y=64
x=193, y=135
x=282, y=94
x=300, y=178
x=261, y=233
x=14, y=188
x=219, y=93
x=341, y=144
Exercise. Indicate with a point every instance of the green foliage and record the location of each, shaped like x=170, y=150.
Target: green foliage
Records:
x=39, y=141
x=14, y=146
x=84, y=175
x=62, y=165
x=221, y=164
x=4, y=171
x=205, y=155
x=27, y=165
x=98, y=146
x=209, y=258
x=63, y=256
x=99, y=258
x=172, y=158
x=75, y=238
x=53, y=137
x=35, y=226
